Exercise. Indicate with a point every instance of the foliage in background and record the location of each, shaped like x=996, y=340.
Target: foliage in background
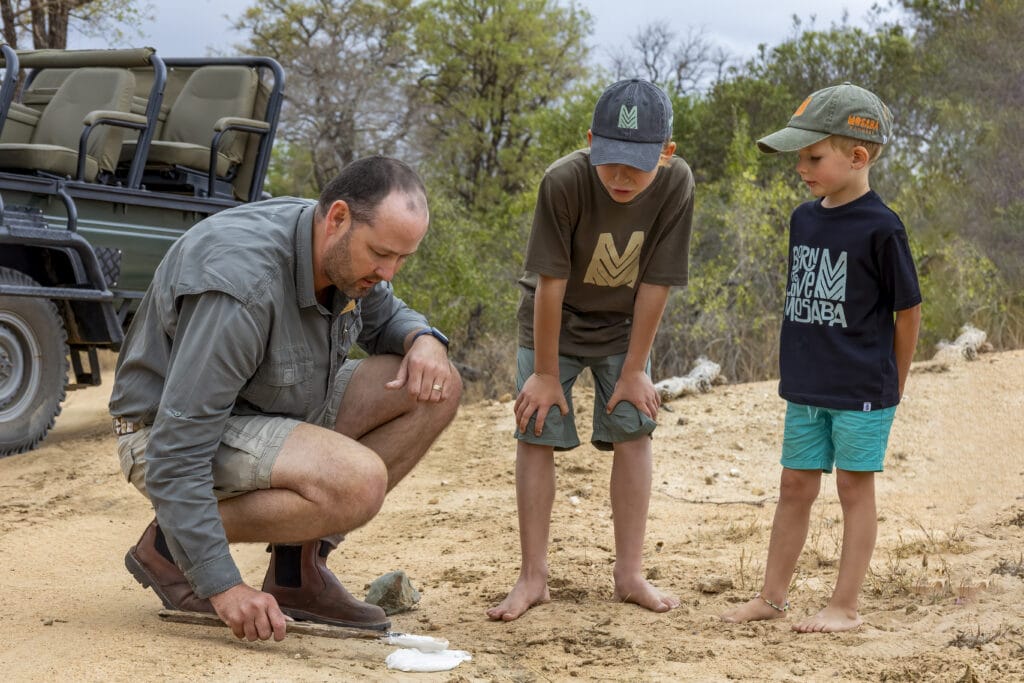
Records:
x=483, y=95
x=350, y=78
x=732, y=308
x=491, y=69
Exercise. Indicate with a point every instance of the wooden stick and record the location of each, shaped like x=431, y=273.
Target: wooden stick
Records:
x=305, y=628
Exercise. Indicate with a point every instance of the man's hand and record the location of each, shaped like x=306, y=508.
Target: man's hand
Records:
x=539, y=393
x=251, y=614
x=425, y=370
x=638, y=389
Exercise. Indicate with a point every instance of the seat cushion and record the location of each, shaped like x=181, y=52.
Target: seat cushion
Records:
x=52, y=158
x=166, y=153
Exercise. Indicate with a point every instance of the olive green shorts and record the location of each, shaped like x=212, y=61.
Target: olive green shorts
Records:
x=625, y=423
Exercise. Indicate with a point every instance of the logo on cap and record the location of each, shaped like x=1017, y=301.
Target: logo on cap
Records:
x=862, y=123
x=803, y=106
x=628, y=117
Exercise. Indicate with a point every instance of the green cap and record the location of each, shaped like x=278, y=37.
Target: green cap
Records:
x=844, y=109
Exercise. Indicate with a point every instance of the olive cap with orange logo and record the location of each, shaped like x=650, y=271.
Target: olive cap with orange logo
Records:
x=845, y=109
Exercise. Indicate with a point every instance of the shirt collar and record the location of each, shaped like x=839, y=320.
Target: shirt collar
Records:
x=305, y=294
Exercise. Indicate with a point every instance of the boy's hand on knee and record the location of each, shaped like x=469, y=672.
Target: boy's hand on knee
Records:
x=638, y=389
x=539, y=393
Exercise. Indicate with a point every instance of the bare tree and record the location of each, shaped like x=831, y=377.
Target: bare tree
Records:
x=682, y=64
x=349, y=75
x=47, y=22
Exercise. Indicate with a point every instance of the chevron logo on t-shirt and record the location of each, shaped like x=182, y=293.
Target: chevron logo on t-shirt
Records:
x=609, y=268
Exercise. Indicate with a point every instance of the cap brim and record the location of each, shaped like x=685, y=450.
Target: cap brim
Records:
x=641, y=155
x=790, y=140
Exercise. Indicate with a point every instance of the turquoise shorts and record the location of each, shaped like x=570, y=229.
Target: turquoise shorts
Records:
x=626, y=423
x=852, y=440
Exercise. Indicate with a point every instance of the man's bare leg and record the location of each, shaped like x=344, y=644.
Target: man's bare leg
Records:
x=860, y=527
x=315, y=469
x=390, y=422
x=631, y=497
x=535, y=495
x=797, y=491
x=380, y=436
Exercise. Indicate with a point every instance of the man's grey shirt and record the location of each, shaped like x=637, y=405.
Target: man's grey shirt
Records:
x=231, y=326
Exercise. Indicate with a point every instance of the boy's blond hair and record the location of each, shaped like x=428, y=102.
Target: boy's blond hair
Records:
x=846, y=144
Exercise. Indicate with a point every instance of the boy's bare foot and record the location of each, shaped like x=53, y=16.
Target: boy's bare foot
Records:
x=639, y=591
x=830, y=620
x=755, y=609
x=524, y=595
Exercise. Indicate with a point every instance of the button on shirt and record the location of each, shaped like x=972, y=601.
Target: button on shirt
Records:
x=231, y=326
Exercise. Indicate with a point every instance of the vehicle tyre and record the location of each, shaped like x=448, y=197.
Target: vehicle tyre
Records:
x=33, y=366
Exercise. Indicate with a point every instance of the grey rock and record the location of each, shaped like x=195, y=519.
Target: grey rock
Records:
x=393, y=593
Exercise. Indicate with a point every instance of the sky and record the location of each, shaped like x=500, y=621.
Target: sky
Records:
x=184, y=28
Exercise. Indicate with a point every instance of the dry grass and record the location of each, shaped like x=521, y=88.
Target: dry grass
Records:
x=976, y=639
x=1010, y=567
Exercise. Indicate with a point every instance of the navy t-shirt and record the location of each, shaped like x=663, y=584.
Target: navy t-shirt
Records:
x=850, y=268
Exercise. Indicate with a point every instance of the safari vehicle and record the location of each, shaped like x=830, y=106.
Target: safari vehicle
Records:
x=106, y=158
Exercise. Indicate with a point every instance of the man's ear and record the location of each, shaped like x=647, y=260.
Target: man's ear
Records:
x=590, y=137
x=338, y=217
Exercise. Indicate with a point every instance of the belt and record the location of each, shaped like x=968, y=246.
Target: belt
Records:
x=124, y=426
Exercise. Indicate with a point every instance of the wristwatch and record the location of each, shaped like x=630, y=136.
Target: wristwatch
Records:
x=433, y=332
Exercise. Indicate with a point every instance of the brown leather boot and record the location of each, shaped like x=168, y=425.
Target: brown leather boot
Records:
x=307, y=590
x=153, y=570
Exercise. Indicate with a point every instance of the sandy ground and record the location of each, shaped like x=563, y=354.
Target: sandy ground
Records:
x=944, y=600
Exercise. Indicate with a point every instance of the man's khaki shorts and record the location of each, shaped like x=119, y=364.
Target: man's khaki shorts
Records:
x=247, y=452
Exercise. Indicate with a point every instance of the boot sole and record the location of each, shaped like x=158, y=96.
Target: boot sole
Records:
x=136, y=569
x=299, y=615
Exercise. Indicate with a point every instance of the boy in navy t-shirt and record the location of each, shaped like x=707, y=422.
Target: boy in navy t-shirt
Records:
x=850, y=324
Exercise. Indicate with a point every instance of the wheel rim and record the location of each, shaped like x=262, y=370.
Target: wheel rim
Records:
x=20, y=364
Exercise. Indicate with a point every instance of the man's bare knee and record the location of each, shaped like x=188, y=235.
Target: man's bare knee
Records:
x=453, y=394
x=345, y=480
x=355, y=486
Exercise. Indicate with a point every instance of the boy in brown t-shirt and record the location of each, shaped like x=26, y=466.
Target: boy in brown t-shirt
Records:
x=611, y=235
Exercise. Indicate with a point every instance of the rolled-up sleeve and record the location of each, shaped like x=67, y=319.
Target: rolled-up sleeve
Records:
x=217, y=348
x=387, y=320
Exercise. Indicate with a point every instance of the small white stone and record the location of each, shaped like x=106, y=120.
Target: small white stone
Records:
x=575, y=500
x=734, y=472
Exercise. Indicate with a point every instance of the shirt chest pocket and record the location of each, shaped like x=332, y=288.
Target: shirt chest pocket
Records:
x=282, y=385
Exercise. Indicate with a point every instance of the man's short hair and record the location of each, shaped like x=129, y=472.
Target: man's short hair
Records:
x=366, y=182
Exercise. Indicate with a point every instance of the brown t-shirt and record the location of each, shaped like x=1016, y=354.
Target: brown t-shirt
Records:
x=604, y=249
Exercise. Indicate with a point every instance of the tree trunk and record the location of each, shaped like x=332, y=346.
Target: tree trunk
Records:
x=58, y=24
x=10, y=30
x=39, y=33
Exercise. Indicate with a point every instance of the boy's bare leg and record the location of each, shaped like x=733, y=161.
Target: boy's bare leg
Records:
x=535, y=494
x=797, y=492
x=860, y=527
x=631, y=496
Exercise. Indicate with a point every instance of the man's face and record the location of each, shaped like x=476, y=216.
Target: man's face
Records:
x=367, y=253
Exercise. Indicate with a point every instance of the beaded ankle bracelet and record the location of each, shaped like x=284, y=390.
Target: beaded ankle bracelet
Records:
x=777, y=608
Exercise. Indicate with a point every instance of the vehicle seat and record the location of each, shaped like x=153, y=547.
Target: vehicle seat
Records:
x=211, y=93
x=53, y=144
